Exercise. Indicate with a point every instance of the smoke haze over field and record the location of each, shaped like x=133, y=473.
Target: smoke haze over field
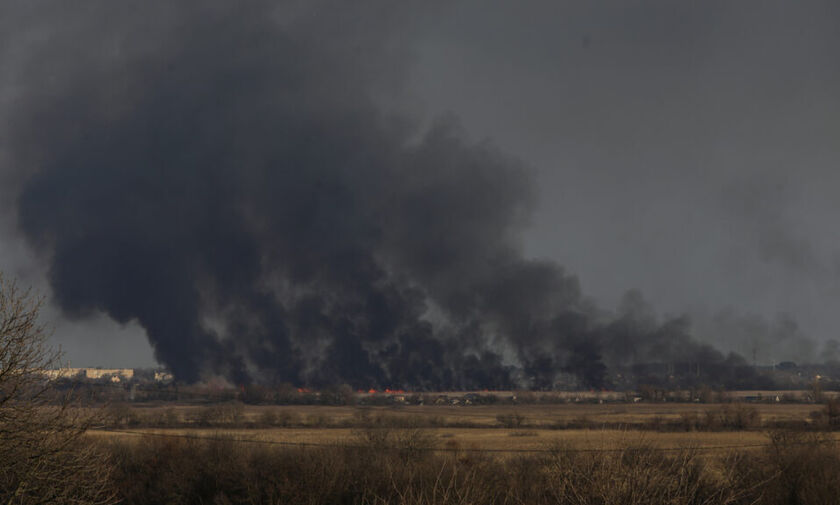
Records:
x=298, y=191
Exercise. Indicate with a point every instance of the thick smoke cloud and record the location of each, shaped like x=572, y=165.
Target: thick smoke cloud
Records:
x=762, y=341
x=227, y=177
x=684, y=148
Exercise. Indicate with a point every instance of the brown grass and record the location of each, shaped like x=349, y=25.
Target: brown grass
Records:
x=490, y=438
x=534, y=416
x=385, y=467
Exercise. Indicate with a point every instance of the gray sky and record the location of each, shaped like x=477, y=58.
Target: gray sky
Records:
x=685, y=149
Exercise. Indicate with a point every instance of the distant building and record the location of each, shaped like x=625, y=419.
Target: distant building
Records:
x=163, y=377
x=114, y=374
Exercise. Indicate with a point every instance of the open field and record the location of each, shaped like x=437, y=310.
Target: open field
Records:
x=395, y=466
x=535, y=416
x=477, y=438
x=514, y=428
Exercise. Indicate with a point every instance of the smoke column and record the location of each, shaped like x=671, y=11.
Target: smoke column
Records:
x=223, y=174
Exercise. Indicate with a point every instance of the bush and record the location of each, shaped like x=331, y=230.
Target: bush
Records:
x=832, y=412
x=807, y=466
x=731, y=417
x=222, y=414
x=121, y=415
x=396, y=466
x=511, y=421
x=689, y=421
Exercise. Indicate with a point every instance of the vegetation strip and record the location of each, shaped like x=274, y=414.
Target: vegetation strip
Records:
x=437, y=449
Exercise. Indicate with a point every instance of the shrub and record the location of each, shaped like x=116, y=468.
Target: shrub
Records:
x=394, y=466
x=511, y=421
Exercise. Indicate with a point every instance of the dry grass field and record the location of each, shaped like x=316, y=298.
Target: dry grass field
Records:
x=547, y=415
x=538, y=427
x=230, y=453
x=478, y=439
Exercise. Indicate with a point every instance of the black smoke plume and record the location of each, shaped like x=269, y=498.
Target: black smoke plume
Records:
x=224, y=173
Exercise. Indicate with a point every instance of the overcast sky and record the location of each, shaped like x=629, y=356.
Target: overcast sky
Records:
x=685, y=149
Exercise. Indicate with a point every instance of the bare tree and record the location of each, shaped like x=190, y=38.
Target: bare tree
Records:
x=43, y=457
